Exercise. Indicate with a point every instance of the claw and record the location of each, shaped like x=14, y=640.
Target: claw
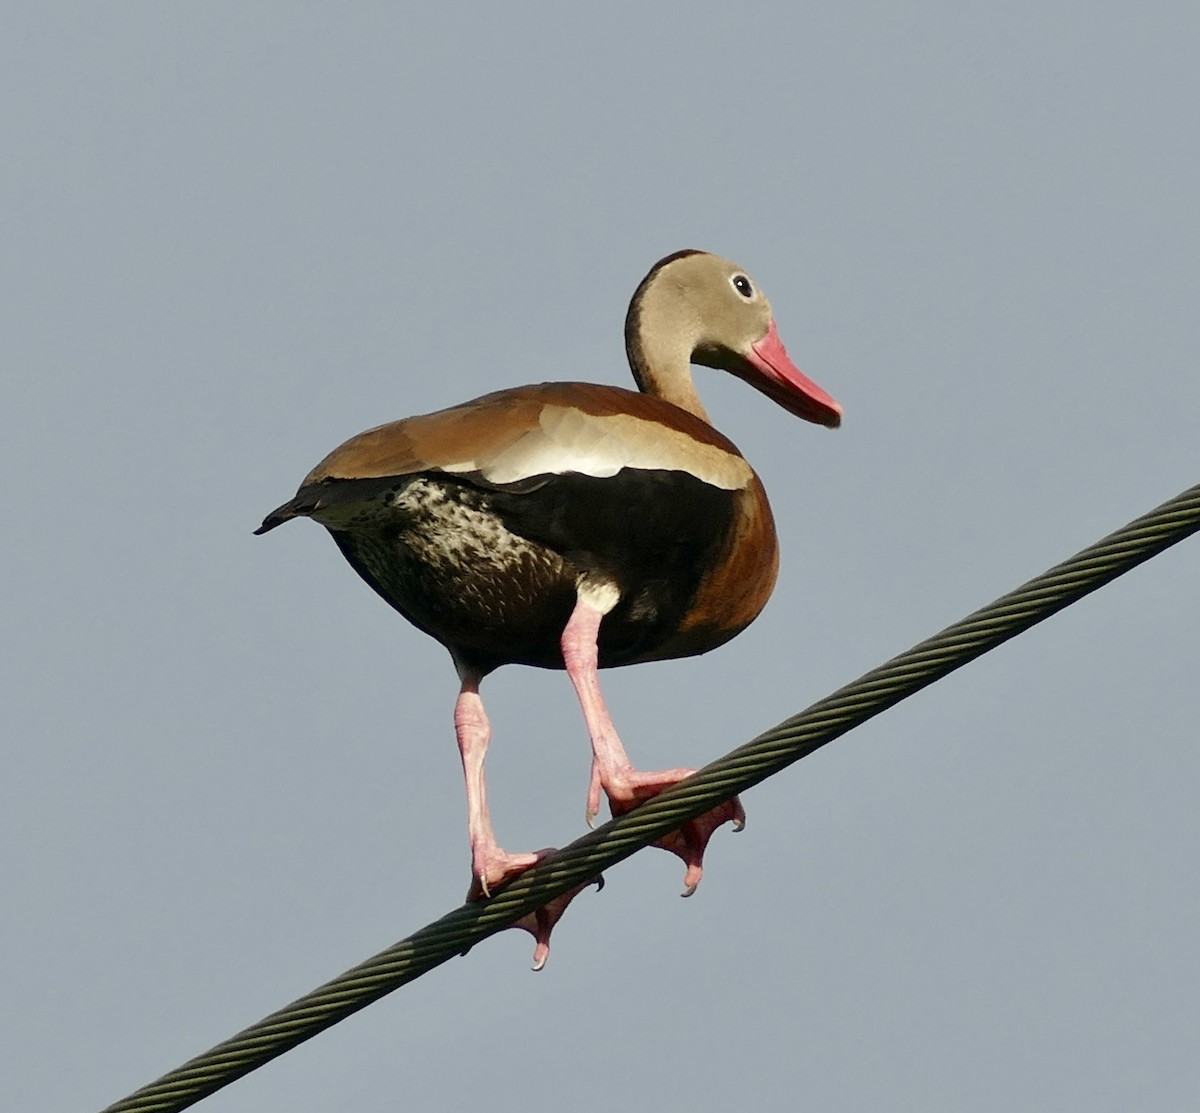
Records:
x=492, y=866
x=689, y=841
x=541, y=921
x=501, y=869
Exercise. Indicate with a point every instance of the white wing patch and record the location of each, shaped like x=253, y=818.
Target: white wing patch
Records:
x=567, y=439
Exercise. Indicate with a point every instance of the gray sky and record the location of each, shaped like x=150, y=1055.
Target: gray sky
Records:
x=236, y=234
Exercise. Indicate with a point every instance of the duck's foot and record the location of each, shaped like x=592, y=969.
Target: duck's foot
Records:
x=501, y=868
x=632, y=787
x=540, y=922
x=491, y=867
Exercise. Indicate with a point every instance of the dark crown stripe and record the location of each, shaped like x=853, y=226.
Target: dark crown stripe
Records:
x=633, y=318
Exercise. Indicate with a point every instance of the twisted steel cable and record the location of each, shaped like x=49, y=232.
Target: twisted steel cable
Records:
x=744, y=767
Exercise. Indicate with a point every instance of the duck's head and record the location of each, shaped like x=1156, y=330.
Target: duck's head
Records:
x=694, y=307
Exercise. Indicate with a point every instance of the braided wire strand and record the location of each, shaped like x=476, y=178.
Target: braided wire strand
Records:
x=737, y=771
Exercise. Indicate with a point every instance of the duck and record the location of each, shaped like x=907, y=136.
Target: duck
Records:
x=577, y=526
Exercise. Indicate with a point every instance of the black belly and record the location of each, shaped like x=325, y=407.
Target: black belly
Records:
x=491, y=570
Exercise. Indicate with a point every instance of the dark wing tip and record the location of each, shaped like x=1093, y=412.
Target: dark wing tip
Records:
x=324, y=493
x=293, y=508
x=270, y=522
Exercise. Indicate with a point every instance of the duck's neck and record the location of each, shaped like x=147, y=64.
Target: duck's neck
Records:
x=660, y=359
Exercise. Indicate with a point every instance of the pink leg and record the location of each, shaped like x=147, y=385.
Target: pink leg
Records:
x=491, y=865
x=612, y=771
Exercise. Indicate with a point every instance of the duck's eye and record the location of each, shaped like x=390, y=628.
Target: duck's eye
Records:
x=742, y=285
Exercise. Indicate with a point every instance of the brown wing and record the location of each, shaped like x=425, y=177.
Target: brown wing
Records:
x=562, y=426
x=513, y=435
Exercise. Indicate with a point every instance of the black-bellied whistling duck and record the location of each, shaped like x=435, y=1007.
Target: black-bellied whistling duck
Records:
x=577, y=526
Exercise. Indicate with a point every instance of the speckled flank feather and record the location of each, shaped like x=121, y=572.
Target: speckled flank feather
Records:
x=493, y=571
x=436, y=551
